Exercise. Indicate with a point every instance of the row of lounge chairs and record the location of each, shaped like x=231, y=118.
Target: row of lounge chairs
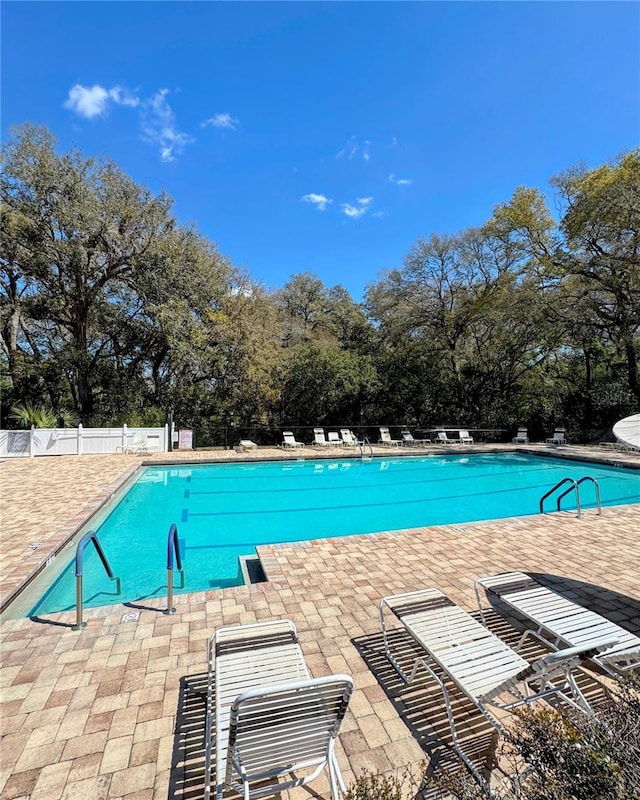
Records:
x=440, y=438
x=559, y=437
x=347, y=438
x=270, y=719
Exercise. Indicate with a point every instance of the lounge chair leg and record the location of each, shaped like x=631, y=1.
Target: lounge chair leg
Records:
x=491, y=760
x=452, y=725
x=387, y=649
x=416, y=666
x=335, y=778
x=521, y=640
x=338, y=788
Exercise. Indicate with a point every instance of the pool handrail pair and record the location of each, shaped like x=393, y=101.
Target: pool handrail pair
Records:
x=173, y=552
x=574, y=487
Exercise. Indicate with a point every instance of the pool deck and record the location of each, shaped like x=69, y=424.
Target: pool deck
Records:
x=116, y=711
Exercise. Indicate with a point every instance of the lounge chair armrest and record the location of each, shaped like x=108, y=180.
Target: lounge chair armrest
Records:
x=582, y=652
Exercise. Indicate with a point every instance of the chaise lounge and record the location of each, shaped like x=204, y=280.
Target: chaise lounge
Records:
x=271, y=718
x=561, y=622
x=522, y=437
x=409, y=441
x=385, y=438
x=482, y=666
x=348, y=438
x=289, y=440
x=245, y=444
x=558, y=437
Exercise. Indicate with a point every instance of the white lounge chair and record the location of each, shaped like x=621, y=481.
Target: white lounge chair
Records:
x=464, y=437
x=558, y=437
x=246, y=444
x=348, y=439
x=271, y=718
x=442, y=438
x=409, y=441
x=385, y=438
x=486, y=669
x=288, y=440
x=333, y=439
x=562, y=623
x=319, y=439
x=143, y=444
x=522, y=437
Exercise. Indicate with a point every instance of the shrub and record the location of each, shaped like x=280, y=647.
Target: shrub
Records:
x=26, y=415
x=560, y=755
x=370, y=786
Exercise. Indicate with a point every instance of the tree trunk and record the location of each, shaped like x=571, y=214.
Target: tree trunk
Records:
x=632, y=367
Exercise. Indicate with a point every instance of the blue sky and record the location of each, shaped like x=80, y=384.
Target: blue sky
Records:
x=328, y=136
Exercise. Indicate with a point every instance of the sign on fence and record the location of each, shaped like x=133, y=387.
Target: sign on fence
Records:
x=185, y=440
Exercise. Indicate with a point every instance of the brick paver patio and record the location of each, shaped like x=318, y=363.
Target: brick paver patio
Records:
x=117, y=711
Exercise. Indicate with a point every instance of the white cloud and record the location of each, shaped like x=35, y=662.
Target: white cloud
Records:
x=353, y=211
x=158, y=126
x=87, y=101
x=317, y=200
x=400, y=181
x=353, y=148
x=379, y=214
x=221, y=121
x=94, y=101
x=123, y=97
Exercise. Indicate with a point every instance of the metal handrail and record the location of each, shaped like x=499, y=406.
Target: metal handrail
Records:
x=596, y=486
x=365, y=440
x=173, y=547
x=557, y=486
x=91, y=536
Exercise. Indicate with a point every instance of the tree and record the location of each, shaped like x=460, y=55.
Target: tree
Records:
x=76, y=236
x=589, y=265
x=462, y=323
x=601, y=228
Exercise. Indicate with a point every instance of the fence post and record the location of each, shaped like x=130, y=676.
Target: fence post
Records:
x=31, y=435
x=166, y=438
x=79, y=439
x=124, y=438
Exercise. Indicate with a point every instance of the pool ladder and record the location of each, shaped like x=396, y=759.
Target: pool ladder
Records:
x=173, y=555
x=361, y=444
x=574, y=487
x=91, y=536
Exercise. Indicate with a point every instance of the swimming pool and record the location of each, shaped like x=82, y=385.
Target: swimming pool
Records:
x=223, y=511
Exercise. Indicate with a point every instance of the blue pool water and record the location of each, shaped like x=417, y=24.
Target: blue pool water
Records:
x=224, y=510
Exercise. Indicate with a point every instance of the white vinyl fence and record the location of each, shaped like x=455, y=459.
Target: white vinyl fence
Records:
x=79, y=441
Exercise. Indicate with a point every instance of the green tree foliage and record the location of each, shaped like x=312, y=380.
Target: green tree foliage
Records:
x=325, y=384
x=105, y=298
x=589, y=268
x=112, y=310
x=601, y=254
x=468, y=323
